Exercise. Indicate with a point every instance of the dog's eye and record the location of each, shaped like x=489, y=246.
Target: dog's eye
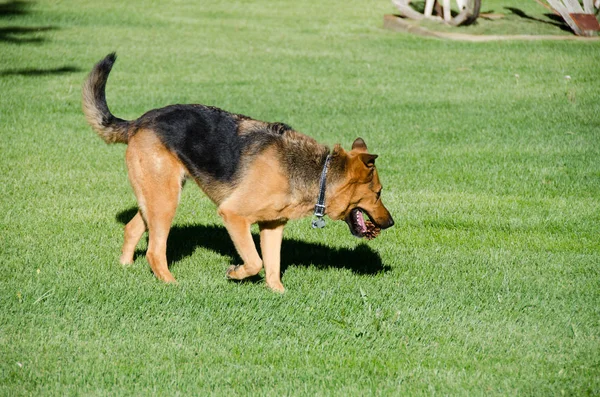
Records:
x=378, y=195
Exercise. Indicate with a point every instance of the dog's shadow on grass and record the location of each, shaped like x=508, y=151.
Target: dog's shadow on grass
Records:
x=183, y=241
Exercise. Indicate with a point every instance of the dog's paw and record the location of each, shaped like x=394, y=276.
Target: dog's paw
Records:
x=167, y=278
x=276, y=286
x=230, y=273
x=126, y=260
x=233, y=273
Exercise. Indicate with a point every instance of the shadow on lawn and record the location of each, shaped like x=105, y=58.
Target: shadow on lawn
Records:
x=557, y=20
x=28, y=72
x=20, y=35
x=13, y=8
x=23, y=35
x=183, y=240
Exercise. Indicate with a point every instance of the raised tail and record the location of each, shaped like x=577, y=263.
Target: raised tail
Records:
x=110, y=128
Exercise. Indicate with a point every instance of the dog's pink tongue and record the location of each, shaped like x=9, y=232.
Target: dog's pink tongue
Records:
x=360, y=221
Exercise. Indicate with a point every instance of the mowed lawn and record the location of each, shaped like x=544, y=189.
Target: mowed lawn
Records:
x=488, y=284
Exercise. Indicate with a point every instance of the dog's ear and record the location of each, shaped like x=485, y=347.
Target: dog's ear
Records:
x=368, y=159
x=359, y=145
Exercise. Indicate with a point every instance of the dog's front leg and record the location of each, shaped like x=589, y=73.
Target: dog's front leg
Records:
x=239, y=231
x=271, y=234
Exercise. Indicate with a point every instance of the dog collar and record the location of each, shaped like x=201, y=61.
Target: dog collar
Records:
x=318, y=222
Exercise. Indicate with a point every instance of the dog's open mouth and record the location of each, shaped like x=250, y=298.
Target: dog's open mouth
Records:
x=360, y=227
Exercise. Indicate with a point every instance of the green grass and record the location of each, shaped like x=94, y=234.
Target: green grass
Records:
x=489, y=283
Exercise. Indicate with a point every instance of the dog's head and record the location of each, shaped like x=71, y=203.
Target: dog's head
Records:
x=359, y=191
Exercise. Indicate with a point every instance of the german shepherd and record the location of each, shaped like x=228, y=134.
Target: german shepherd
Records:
x=254, y=171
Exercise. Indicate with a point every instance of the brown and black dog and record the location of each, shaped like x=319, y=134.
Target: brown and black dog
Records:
x=254, y=171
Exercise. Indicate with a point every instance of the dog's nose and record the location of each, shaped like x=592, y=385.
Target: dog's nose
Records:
x=388, y=223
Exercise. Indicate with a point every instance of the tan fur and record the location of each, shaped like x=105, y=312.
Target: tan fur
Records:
x=359, y=186
x=264, y=193
x=271, y=235
x=156, y=176
x=271, y=178
x=263, y=197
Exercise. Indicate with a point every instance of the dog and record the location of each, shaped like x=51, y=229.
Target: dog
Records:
x=254, y=171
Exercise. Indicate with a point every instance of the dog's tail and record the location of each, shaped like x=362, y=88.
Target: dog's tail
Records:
x=110, y=128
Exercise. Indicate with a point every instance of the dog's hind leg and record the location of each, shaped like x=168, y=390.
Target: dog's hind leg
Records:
x=159, y=224
x=133, y=232
x=239, y=231
x=156, y=176
x=271, y=234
